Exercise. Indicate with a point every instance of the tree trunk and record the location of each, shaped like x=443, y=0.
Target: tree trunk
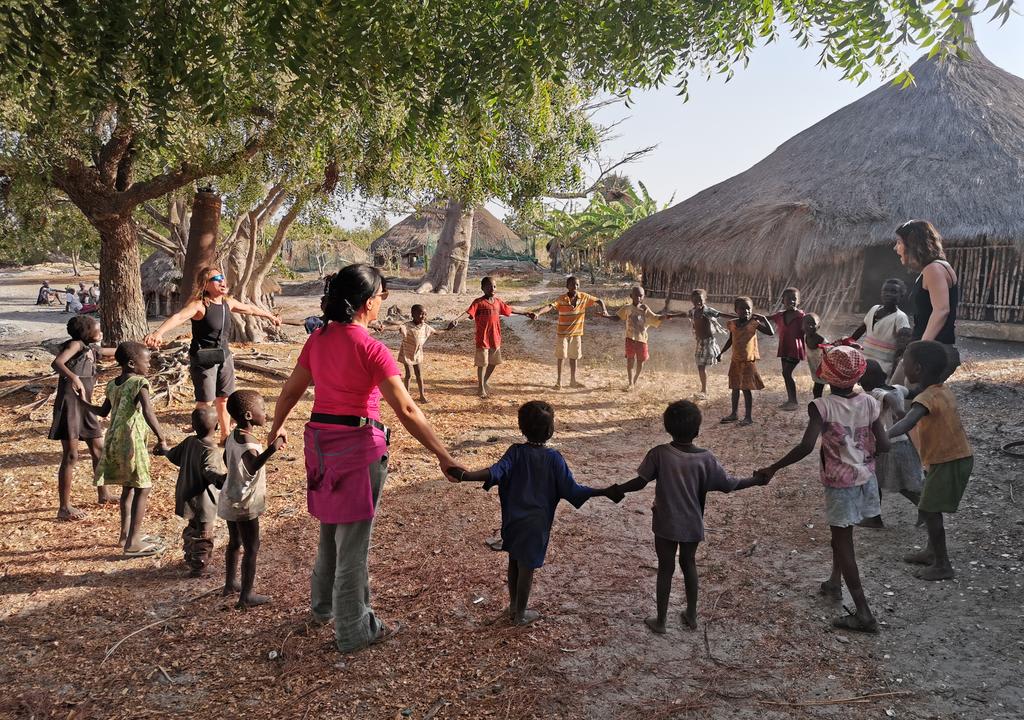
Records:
x=202, y=241
x=450, y=264
x=74, y=264
x=122, y=309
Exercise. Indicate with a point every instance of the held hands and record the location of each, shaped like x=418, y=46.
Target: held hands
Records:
x=613, y=493
x=764, y=475
x=162, y=447
x=531, y=315
x=455, y=474
x=274, y=437
x=153, y=340
x=454, y=324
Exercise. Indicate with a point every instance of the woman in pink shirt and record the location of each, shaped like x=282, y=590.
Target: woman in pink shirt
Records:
x=346, y=447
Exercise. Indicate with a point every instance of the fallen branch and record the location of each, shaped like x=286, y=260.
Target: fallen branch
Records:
x=118, y=644
x=838, y=701
x=435, y=708
x=263, y=369
x=26, y=383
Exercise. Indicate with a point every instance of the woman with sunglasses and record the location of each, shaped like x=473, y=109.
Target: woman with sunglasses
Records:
x=346, y=447
x=211, y=366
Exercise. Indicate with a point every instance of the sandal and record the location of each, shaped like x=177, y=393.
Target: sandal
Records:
x=146, y=550
x=386, y=633
x=851, y=622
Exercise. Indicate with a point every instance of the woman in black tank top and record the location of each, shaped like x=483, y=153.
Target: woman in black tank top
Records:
x=936, y=292
x=210, y=309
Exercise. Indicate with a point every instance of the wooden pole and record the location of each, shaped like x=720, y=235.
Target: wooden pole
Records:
x=202, y=240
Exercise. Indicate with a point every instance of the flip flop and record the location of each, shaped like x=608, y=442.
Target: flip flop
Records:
x=386, y=633
x=146, y=550
x=854, y=623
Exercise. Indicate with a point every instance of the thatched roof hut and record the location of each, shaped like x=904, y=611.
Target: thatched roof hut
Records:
x=348, y=253
x=411, y=237
x=160, y=278
x=820, y=212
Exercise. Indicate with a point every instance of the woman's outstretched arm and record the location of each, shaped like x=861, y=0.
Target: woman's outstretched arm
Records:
x=291, y=393
x=413, y=420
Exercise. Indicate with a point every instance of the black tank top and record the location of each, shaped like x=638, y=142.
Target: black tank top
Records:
x=212, y=329
x=923, y=309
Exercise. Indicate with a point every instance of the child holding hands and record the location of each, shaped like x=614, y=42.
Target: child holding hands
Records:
x=944, y=448
x=685, y=474
x=531, y=479
x=743, y=375
x=244, y=495
x=76, y=366
x=813, y=340
x=639, y=318
x=851, y=432
x=792, y=350
x=201, y=474
x=125, y=459
x=705, y=325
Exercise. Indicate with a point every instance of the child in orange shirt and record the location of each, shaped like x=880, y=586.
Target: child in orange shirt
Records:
x=743, y=374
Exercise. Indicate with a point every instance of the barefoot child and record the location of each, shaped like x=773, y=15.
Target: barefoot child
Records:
x=945, y=450
x=531, y=479
x=705, y=326
x=572, y=315
x=486, y=311
x=201, y=474
x=743, y=375
x=125, y=459
x=639, y=318
x=76, y=367
x=813, y=340
x=414, y=337
x=851, y=434
x=244, y=495
x=792, y=350
x=878, y=332
x=685, y=474
x=898, y=470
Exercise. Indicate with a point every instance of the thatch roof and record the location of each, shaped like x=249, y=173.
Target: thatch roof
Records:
x=347, y=253
x=414, y=233
x=949, y=149
x=160, y=274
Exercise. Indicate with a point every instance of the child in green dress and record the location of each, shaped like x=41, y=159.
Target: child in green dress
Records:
x=125, y=459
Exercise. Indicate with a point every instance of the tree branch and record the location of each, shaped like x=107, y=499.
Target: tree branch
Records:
x=162, y=184
x=157, y=215
x=630, y=157
x=113, y=152
x=156, y=240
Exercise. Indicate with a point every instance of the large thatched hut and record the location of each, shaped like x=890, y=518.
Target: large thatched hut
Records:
x=820, y=212
x=410, y=239
x=160, y=279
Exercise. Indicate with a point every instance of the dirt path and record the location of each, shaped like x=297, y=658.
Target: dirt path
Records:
x=764, y=648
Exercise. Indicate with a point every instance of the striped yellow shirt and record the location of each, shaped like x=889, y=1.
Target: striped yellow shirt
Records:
x=571, y=317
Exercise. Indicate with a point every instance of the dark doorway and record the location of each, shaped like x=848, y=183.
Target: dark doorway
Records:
x=880, y=264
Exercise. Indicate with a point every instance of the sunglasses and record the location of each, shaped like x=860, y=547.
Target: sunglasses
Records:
x=383, y=295
x=216, y=278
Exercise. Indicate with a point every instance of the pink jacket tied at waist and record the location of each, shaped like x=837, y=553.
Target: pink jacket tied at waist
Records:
x=338, y=460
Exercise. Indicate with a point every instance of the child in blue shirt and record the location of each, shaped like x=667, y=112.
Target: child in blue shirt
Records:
x=531, y=479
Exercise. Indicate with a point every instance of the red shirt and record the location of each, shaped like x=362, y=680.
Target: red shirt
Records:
x=791, y=335
x=487, y=315
x=347, y=366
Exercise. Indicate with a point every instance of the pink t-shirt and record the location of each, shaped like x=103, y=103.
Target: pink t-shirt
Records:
x=347, y=366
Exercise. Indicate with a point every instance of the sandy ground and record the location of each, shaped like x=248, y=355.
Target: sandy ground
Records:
x=763, y=649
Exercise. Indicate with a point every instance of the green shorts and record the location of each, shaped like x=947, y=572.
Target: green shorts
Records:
x=944, y=485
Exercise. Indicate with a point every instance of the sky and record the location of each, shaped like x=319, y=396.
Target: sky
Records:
x=726, y=127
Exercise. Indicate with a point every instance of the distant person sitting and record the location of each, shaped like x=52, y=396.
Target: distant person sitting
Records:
x=46, y=295
x=83, y=293
x=71, y=302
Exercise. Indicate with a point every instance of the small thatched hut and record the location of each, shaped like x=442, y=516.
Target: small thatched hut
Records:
x=820, y=212
x=409, y=239
x=160, y=279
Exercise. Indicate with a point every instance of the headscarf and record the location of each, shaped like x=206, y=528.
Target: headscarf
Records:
x=842, y=365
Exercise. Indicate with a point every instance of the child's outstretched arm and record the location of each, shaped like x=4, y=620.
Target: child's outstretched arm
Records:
x=144, y=401
x=619, y=490
x=859, y=332
x=798, y=453
x=458, y=474
x=764, y=324
x=516, y=310
x=60, y=365
x=725, y=348
x=101, y=410
x=254, y=461
x=455, y=321
x=912, y=418
x=882, y=443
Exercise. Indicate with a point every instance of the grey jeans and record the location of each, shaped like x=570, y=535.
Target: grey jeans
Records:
x=341, y=575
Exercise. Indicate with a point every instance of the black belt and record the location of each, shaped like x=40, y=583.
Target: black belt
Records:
x=351, y=421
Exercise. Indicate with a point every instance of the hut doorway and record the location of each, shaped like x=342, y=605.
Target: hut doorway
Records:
x=880, y=264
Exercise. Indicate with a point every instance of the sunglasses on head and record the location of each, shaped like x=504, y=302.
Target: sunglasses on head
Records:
x=217, y=278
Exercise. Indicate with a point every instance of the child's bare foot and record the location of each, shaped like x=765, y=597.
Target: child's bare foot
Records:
x=69, y=513
x=122, y=539
x=745, y=422
x=481, y=393
x=937, y=572
x=105, y=497
x=831, y=590
x=655, y=625
x=422, y=399
x=558, y=385
x=689, y=619
x=921, y=557
x=230, y=589
x=874, y=523
x=252, y=600
x=789, y=405
x=576, y=384
x=729, y=419
x=528, y=616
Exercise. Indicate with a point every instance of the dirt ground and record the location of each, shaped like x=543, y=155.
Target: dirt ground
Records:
x=86, y=634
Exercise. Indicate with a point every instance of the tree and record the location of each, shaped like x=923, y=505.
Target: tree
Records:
x=117, y=104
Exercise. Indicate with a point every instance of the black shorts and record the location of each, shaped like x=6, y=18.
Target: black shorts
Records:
x=213, y=382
